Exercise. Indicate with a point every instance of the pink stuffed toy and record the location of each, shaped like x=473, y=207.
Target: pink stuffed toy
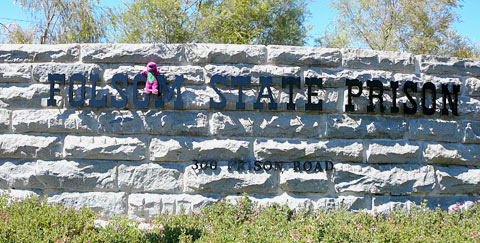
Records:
x=151, y=75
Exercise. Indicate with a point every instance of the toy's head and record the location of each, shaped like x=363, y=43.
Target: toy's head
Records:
x=152, y=67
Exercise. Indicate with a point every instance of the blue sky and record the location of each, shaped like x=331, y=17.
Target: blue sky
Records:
x=321, y=16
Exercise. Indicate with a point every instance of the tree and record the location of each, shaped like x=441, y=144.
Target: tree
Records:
x=420, y=27
x=67, y=21
x=213, y=21
x=14, y=34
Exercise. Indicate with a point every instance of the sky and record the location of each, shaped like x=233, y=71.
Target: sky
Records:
x=321, y=15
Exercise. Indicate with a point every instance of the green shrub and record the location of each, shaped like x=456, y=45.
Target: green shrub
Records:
x=33, y=220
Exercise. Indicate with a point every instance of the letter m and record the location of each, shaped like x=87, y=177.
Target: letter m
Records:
x=165, y=92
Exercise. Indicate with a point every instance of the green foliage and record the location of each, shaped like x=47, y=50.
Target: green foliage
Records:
x=420, y=27
x=66, y=21
x=211, y=21
x=33, y=220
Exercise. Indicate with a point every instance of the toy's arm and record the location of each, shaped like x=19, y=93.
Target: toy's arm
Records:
x=144, y=73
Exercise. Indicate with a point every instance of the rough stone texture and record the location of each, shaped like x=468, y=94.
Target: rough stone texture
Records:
x=449, y=65
x=20, y=194
x=310, y=56
x=452, y=154
x=104, y=147
x=146, y=206
x=392, y=152
x=191, y=74
x=4, y=120
x=30, y=146
x=18, y=174
x=41, y=71
x=302, y=182
x=150, y=177
x=361, y=126
x=76, y=175
x=472, y=132
x=469, y=107
x=434, y=130
x=458, y=179
x=188, y=149
x=254, y=71
x=335, y=78
x=292, y=150
x=108, y=204
x=383, y=179
x=472, y=86
x=39, y=53
x=226, y=181
x=15, y=73
x=26, y=96
x=132, y=53
x=54, y=120
x=225, y=53
x=382, y=60
x=266, y=124
x=387, y=204
x=177, y=123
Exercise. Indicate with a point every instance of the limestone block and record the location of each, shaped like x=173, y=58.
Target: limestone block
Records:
x=108, y=204
x=223, y=181
x=177, y=123
x=472, y=132
x=188, y=149
x=54, y=120
x=299, y=55
x=292, y=150
x=266, y=124
x=21, y=53
x=254, y=72
x=27, y=96
x=468, y=107
x=150, y=177
x=18, y=174
x=363, y=126
x=391, y=151
x=434, y=130
x=302, y=182
x=15, y=73
x=41, y=71
x=329, y=97
x=225, y=53
x=383, y=179
x=132, y=53
x=30, y=146
x=335, y=78
x=20, y=194
x=5, y=120
x=452, y=154
x=104, y=147
x=472, y=86
x=146, y=206
x=76, y=175
x=387, y=204
x=458, y=179
x=383, y=60
x=438, y=80
x=449, y=65
x=191, y=74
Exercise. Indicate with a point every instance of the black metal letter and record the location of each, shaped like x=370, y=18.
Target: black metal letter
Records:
x=51, y=79
x=453, y=104
x=412, y=86
x=266, y=82
x=240, y=82
x=102, y=102
x=137, y=103
x=375, y=84
x=119, y=78
x=310, y=82
x=394, y=86
x=291, y=81
x=350, y=83
x=71, y=99
x=425, y=109
x=223, y=101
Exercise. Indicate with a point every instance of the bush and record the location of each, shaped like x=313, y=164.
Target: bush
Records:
x=33, y=220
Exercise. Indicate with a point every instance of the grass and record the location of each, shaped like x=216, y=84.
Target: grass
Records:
x=34, y=220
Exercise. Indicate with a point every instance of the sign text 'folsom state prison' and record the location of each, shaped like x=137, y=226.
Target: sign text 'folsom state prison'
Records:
x=376, y=91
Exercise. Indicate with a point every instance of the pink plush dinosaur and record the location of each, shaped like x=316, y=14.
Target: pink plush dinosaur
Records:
x=151, y=75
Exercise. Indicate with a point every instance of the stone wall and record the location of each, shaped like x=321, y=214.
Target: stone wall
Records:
x=140, y=161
